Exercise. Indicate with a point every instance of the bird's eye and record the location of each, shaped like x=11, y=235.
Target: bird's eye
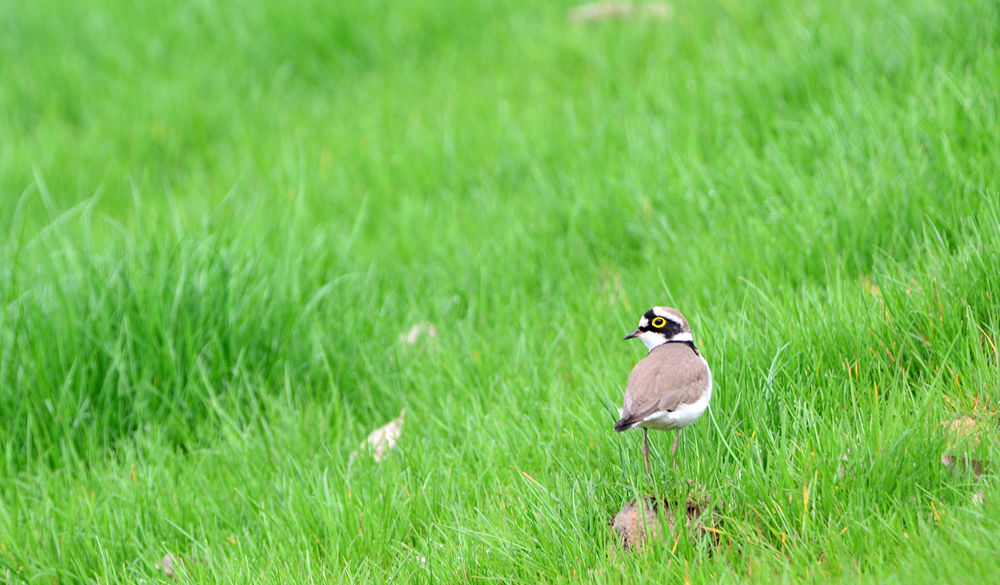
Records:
x=659, y=322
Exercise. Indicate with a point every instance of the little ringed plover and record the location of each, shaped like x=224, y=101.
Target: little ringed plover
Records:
x=670, y=387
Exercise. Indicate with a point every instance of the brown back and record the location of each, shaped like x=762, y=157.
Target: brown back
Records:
x=669, y=376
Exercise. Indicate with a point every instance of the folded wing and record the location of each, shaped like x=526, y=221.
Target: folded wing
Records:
x=670, y=376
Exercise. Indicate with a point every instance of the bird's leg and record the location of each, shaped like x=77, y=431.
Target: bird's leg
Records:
x=673, y=448
x=645, y=450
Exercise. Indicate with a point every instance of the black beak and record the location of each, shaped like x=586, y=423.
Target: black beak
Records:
x=633, y=334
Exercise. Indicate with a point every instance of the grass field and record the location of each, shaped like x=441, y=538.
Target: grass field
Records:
x=218, y=220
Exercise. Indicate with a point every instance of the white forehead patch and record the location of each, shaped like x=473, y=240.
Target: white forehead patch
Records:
x=669, y=313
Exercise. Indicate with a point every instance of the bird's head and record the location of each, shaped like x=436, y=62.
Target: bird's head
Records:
x=660, y=325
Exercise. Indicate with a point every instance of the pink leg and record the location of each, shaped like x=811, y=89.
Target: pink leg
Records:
x=645, y=450
x=673, y=448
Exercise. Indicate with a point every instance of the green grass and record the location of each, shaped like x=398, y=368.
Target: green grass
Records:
x=218, y=220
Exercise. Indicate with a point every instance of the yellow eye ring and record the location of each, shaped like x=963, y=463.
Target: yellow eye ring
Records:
x=659, y=322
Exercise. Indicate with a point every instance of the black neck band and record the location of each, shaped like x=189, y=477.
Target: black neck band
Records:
x=686, y=342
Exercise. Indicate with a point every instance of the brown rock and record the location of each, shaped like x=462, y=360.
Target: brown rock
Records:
x=960, y=462
x=638, y=522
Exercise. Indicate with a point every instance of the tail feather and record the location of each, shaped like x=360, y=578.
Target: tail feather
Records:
x=625, y=424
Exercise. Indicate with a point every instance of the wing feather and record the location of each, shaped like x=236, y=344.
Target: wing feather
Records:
x=669, y=376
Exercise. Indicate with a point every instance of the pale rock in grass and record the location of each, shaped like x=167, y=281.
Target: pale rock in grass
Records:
x=418, y=331
x=599, y=11
x=844, y=461
x=639, y=522
x=634, y=524
x=170, y=564
x=382, y=439
x=612, y=9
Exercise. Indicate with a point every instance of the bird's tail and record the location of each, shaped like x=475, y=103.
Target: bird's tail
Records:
x=624, y=424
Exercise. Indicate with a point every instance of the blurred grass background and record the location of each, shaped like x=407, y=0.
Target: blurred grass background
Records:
x=219, y=219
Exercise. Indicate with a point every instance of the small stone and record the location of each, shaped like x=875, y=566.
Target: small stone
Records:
x=842, y=468
x=635, y=523
x=599, y=11
x=961, y=462
x=619, y=10
x=419, y=330
x=170, y=564
x=382, y=439
x=638, y=522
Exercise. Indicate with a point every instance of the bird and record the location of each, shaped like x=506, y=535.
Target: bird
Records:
x=669, y=388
